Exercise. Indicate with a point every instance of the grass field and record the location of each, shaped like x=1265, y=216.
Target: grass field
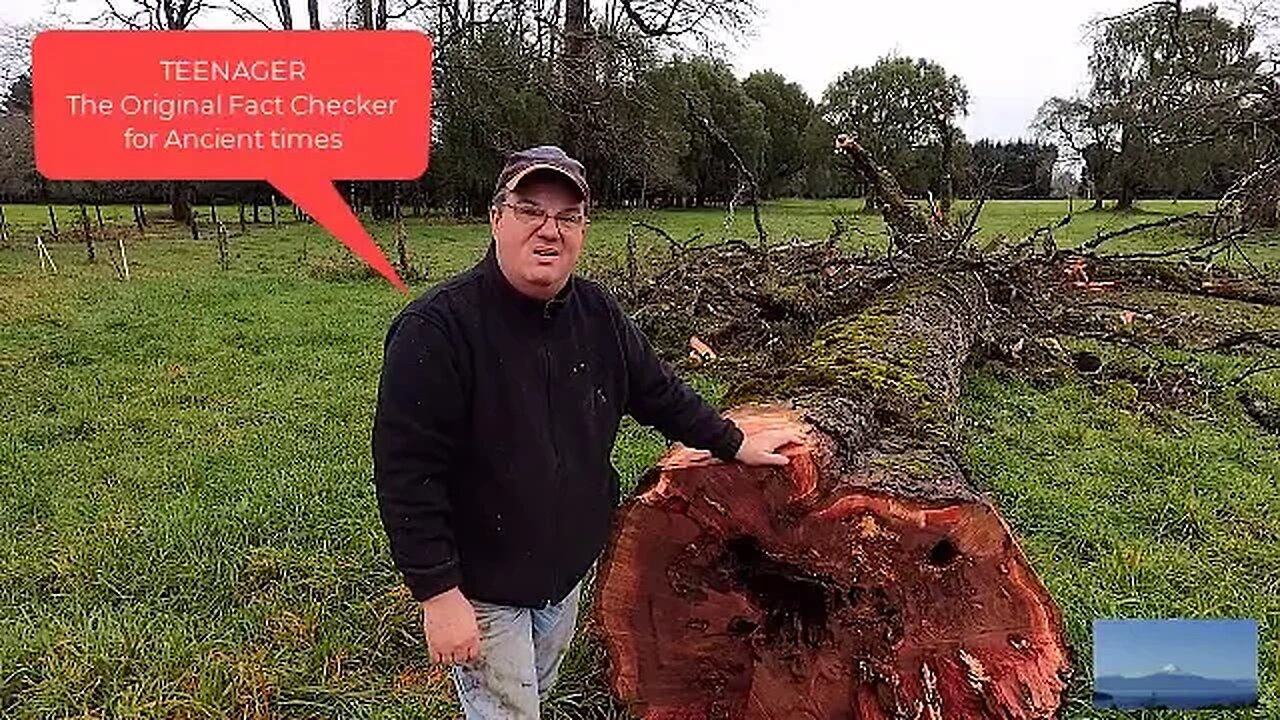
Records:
x=186, y=489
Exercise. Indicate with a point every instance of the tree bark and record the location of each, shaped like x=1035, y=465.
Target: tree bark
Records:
x=574, y=71
x=1125, y=201
x=1127, y=179
x=180, y=202
x=866, y=579
x=313, y=13
x=285, y=12
x=947, y=182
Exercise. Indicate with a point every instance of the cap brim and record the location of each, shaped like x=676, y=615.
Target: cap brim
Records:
x=518, y=177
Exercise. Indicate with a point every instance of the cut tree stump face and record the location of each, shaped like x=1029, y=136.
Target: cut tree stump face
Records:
x=801, y=592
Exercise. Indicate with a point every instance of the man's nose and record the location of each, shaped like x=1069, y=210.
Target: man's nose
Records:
x=549, y=229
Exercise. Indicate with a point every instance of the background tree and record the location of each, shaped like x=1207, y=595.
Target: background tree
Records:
x=160, y=15
x=15, y=66
x=904, y=111
x=787, y=113
x=1013, y=170
x=716, y=95
x=473, y=136
x=1165, y=79
x=19, y=181
x=17, y=98
x=1069, y=123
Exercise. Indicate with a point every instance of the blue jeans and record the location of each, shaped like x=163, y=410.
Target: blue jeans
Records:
x=520, y=654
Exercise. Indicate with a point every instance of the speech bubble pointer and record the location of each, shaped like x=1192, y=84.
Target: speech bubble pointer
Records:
x=320, y=199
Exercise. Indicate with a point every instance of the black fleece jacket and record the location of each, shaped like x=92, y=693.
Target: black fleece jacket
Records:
x=496, y=417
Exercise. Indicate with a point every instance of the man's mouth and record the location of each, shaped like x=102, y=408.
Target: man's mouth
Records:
x=546, y=252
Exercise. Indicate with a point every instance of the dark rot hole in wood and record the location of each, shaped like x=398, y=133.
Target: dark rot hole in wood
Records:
x=1002, y=294
x=943, y=553
x=795, y=605
x=741, y=626
x=1086, y=362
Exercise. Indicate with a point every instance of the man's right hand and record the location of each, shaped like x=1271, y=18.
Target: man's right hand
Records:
x=449, y=622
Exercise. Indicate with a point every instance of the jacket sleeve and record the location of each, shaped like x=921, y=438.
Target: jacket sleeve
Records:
x=415, y=437
x=656, y=397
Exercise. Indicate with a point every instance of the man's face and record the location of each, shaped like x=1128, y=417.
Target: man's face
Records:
x=539, y=230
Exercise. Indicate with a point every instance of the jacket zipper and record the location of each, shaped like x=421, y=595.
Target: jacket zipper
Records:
x=555, y=446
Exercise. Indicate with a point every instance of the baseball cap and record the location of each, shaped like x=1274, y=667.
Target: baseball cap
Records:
x=543, y=157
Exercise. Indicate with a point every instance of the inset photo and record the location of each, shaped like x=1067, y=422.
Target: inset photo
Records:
x=1175, y=664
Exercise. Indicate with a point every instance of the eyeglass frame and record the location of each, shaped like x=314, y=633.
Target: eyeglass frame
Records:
x=544, y=214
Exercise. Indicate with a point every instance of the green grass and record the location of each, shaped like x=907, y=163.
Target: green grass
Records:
x=186, y=490
x=443, y=245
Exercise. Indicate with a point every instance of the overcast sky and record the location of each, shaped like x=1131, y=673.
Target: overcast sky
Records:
x=1011, y=54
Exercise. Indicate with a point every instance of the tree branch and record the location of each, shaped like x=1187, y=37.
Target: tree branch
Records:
x=128, y=21
x=1102, y=237
x=405, y=10
x=242, y=13
x=715, y=133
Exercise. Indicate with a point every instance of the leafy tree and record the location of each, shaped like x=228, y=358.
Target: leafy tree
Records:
x=788, y=111
x=903, y=110
x=1165, y=79
x=15, y=66
x=473, y=136
x=1015, y=169
x=17, y=98
x=716, y=95
x=19, y=180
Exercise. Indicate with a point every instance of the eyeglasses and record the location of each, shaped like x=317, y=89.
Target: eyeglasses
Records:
x=535, y=216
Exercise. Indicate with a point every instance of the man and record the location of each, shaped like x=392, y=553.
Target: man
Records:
x=501, y=394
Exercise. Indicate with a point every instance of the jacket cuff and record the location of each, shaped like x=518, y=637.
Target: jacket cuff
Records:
x=730, y=440
x=424, y=586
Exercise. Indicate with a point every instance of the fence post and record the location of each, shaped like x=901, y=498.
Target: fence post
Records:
x=223, y=260
x=88, y=233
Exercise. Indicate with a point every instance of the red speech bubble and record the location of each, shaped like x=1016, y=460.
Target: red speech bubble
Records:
x=298, y=109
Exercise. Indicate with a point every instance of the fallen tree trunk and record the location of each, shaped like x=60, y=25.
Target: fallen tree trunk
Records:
x=867, y=579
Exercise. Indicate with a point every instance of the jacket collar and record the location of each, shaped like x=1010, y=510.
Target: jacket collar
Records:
x=510, y=297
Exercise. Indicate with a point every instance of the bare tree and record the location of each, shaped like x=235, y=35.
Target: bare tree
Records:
x=284, y=13
x=151, y=14
x=161, y=15
x=15, y=51
x=1066, y=123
